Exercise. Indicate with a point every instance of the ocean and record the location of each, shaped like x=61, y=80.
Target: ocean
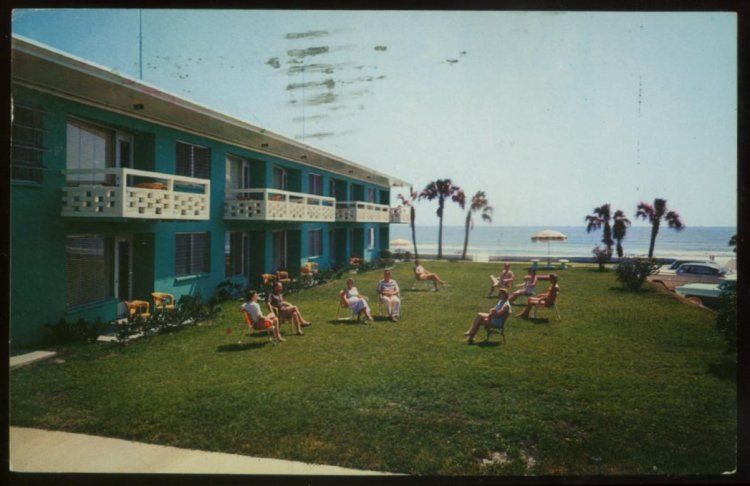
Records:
x=515, y=241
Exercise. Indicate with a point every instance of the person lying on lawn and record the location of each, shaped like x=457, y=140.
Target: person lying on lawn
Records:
x=505, y=280
x=388, y=293
x=496, y=317
x=424, y=275
x=286, y=310
x=258, y=320
x=357, y=303
x=546, y=299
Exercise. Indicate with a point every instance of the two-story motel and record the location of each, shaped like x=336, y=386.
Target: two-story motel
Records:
x=119, y=189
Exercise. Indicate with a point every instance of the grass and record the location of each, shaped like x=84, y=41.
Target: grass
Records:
x=626, y=383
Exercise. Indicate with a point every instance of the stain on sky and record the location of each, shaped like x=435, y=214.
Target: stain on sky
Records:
x=328, y=83
x=317, y=100
x=318, y=68
x=274, y=62
x=381, y=48
x=308, y=34
x=310, y=51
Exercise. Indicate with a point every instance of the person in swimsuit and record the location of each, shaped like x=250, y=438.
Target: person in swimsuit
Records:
x=529, y=282
x=422, y=274
x=495, y=317
x=354, y=301
x=505, y=280
x=546, y=299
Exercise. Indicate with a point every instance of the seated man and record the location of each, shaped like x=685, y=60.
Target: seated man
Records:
x=258, y=321
x=505, y=280
x=495, y=317
x=421, y=274
x=275, y=299
x=388, y=293
x=546, y=299
x=352, y=299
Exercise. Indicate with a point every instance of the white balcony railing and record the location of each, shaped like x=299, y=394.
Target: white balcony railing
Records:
x=131, y=193
x=362, y=212
x=277, y=205
x=400, y=214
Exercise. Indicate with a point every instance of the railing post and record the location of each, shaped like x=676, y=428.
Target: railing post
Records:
x=207, y=191
x=122, y=190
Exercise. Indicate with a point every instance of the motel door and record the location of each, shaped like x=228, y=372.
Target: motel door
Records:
x=123, y=271
x=279, y=250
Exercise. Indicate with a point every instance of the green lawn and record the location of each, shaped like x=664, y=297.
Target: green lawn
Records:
x=636, y=382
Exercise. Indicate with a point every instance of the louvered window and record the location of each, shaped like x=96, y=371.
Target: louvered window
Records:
x=316, y=184
x=27, y=144
x=192, y=254
x=193, y=161
x=88, y=267
x=315, y=243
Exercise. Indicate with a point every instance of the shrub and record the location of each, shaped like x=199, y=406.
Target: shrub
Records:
x=632, y=272
x=227, y=290
x=726, y=320
x=601, y=256
x=64, y=332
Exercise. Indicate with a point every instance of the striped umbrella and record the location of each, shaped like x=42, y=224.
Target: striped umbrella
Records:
x=548, y=235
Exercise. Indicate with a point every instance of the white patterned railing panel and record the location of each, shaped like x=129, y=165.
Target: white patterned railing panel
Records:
x=277, y=205
x=362, y=212
x=156, y=197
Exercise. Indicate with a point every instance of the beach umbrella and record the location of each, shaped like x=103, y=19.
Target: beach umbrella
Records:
x=548, y=235
x=400, y=243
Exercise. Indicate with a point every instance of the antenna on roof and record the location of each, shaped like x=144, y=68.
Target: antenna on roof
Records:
x=140, y=43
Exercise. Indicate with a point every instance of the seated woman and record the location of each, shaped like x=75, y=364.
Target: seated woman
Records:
x=495, y=317
x=423, y=274
x=286, y=310
x=529, y=282
x=388, y=292
x=505, y=280
x=258, y=321
x=546, y=299
x=354, y=301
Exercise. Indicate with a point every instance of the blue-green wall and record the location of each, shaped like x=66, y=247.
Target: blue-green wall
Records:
x=38, y=280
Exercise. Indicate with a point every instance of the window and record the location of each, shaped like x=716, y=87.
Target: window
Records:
x=89, y=268
x=332, y=188
x=315, y=243
x=371, y=238
x=193, y=161
x=279, y=250
x=370, y=195
x=280, y=178
x=234, y=253
x=237, y=175
x=316, y=184
x=192, y=252
x=89, y=147
x=27, y=144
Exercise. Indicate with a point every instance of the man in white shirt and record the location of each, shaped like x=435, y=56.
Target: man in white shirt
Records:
x=258, y=321
x=389, y=295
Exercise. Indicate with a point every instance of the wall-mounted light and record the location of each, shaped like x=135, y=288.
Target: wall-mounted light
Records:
x=264, y=145
x=138, y=106
x=351, y=171
x=303, y=157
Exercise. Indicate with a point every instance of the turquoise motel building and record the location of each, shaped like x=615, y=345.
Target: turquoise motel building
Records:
x=120, y=189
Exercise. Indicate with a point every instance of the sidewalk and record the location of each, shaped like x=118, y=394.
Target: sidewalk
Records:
x=35, y=450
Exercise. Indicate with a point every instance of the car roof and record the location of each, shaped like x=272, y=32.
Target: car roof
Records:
x=705, y=264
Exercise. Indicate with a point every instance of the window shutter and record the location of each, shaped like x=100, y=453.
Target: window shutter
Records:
x=182, y=166
x=182, y=255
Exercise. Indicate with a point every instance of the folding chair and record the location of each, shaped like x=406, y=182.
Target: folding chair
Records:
x=259, y=327
x=342, y=305
x=381, y=307
x=163, y=301
x=418, y=280
x=553, y=306
x=499, y=330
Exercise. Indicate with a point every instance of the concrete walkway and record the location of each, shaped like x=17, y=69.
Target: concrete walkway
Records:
x=35, y=450
x=28, y=358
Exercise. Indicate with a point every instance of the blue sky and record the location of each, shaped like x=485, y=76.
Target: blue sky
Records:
x=551, y=114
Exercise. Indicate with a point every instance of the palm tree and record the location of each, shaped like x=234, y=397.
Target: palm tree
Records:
x=619, y=228
x=413, y=195
x=655, y=213
x=478, y=204
x=733, y=242
x=441, y=190
x=600, y=219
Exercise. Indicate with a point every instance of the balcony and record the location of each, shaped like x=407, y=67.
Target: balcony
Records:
x=400, y=215
x=131, y=193
x=277, y=205
x=362, y=212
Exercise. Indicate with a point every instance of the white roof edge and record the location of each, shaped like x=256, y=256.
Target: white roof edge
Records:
x=18, y=42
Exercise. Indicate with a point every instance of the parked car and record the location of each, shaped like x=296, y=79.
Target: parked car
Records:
x=707, y=294
x=687, y=273
x=676, y=264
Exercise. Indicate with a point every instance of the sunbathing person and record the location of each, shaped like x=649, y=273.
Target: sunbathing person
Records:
x=423, y=274
x=546, y=299
x=286, y=310
x=529, y=282
x=495, y=317
x=505, y=280
x=354, y=301
x=388, y=293
x=258, y=320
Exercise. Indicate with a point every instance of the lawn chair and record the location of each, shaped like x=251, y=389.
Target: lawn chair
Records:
x=552, y=305
x=163, y=301
x=499, y=330
x=342, y=305
x=381, y=307
x=418, y=280
x=283, y=277
x=258, y=326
